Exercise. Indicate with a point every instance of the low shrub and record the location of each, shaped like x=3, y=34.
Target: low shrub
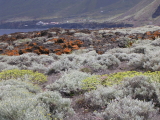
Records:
x=18, y=102
x=152, y=61
x=136, y=60
x=34, y=77
x=102, y=96
x=90, y=83
x=108, y=60
x=122, y=56
x=70, y=82
x=65, y=63
x=18, y=89
x=104, y=61
x=59, y=107
x=90, y=59
x=23, y=109
x=21, y=100
x=22, y=60
x=128, y=109
x=2, y=66
x=116, y=78
x=30, y=61
x=142, y=88
x=38, y=68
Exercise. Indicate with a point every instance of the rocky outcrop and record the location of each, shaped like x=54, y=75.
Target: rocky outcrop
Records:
x=64, y=41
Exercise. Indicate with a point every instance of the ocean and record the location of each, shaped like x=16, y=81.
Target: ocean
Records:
x=9, y=31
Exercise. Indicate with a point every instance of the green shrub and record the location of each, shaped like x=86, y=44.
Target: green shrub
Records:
x=90, y=83
x=116, y=78
x=34, y=77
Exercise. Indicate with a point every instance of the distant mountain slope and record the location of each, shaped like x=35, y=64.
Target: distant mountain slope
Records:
x=47, y=9
x=137, y=12
x=146, y=12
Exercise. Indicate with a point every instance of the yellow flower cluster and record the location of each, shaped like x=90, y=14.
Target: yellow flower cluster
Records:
x=34, y=77
x=116, y=78
x=91, y=82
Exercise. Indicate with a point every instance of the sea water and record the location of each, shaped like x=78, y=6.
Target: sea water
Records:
x=9, y=31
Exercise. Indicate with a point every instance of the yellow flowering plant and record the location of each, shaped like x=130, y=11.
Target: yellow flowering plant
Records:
x=34, y=77
x=91, y=83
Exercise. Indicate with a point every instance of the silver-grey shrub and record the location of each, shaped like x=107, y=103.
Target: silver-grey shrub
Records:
x=17, y=101
x=59, y=107
x=25, y=101
x=63, y=65
x=3, y=65
x=152, y=61
x=3, y=58
x=16, y=88
x=107, y=60
x=136, y=60
x=128, y=109
x=20, y=61
x=23, y=109
x=140, y=87
x=122, y=56
x=38, y=67
x=70, y=82
x=66, y=62
x=156, y=42
x=102, y=96
x=46, y=60
x=96, y=61
x=77, y=61
x=31, y=61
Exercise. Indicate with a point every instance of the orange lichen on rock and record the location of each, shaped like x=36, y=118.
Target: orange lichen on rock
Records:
x=43, y=50
x=59, y=53
x=156, y=33
x=37, y=51
x=53, y=40
x=67, y=50
x=14, y=52
x=57, y=50
x=75, y=47
x=99, y=52
x=34, y=44
x=62, y=45
x=153, y=35
x=113, y=39
x=67, y=45
x=78, y=42
x=39, y=33
x=148, y=33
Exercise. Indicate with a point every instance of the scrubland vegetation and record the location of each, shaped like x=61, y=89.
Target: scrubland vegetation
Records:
x=123, y=83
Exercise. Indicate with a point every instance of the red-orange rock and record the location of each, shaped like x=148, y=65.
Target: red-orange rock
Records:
x=67, y=50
